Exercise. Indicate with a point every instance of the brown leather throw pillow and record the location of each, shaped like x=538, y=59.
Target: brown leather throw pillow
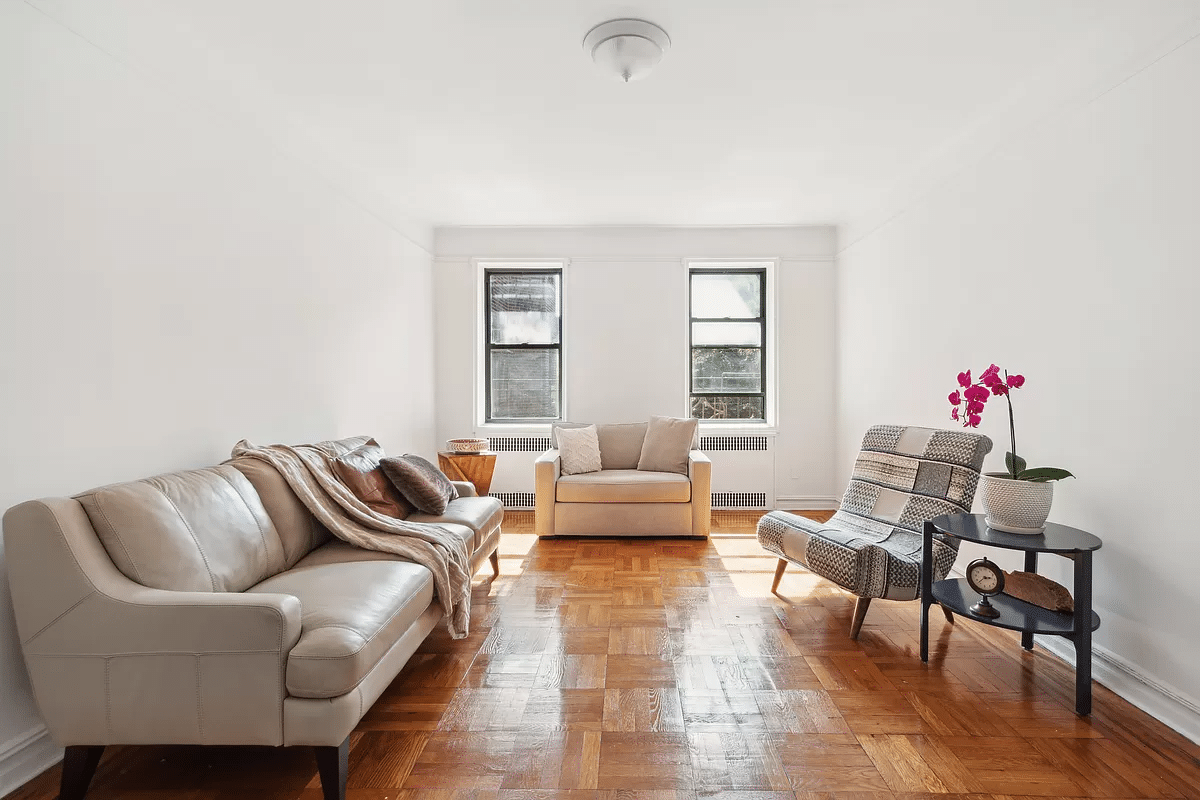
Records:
x=421, y=483
x=359, y=470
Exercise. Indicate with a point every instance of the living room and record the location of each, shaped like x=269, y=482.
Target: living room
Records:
x=270, y=221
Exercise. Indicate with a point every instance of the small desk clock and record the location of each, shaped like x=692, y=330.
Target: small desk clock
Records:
x=988, y=579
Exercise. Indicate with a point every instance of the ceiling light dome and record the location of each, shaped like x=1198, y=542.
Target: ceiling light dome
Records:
x=627, y=48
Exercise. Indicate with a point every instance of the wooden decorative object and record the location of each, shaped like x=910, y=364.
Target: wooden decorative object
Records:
x=476, y=468
x=1038, y=590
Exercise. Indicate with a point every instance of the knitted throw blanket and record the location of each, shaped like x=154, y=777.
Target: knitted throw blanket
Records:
x=307, y=471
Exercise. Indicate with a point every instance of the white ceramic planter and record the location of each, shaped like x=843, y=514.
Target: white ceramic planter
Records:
x=1015, y=506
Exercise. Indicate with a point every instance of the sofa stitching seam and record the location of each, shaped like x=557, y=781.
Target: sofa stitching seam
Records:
x=50, y=624
x=212, y=580
x=100, y=507
x=261, y=533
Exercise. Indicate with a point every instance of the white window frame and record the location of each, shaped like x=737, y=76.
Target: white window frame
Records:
x=771, y=393
x=481, y=266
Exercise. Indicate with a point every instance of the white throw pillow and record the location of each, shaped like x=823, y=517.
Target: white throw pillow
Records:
x=579, y=450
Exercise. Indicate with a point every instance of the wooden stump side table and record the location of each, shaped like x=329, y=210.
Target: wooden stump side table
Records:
x=476, y=468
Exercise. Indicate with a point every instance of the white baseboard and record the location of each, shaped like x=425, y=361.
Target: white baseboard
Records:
x=802, y=502
x=25, y=756
x=1164, y=703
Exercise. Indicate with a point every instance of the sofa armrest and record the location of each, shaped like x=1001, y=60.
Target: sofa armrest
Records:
x=115, y=662
x=700, y=473
x=546, y=470
x=465, y=488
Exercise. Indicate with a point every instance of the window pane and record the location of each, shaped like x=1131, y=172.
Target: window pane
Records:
x=727, y=333
x=525, y=309
x=524, y=384
x=728, y=407
x=727, y=369
x=732, y=296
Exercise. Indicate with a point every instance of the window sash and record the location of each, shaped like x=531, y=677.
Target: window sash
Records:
x=489, y=346
x=761, y=320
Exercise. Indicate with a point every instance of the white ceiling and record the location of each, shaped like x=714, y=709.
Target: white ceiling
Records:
x=487, y=112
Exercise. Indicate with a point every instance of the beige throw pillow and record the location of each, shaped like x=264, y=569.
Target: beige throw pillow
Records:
x=578, y=450
x=668, y=441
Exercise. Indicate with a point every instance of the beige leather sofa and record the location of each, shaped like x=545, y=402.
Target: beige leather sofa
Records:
x=620, y=499
x=210, y=607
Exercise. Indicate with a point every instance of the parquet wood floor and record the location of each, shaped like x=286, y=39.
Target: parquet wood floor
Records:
x=666, y=670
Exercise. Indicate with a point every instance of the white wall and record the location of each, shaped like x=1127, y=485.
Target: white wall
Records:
x=625, y=325
x=165, y=290
x=1070, y=255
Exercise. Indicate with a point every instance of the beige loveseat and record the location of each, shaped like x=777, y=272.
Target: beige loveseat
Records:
x=210, y=607
x=620, y=499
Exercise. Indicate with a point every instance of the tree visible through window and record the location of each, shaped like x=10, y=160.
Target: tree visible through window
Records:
x=728, y=342
x=523, y=358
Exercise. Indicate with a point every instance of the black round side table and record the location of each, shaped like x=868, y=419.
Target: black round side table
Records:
x=954, y=593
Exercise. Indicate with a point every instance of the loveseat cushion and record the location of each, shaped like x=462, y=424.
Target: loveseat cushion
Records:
x=352, y=613
x=624, y=486
x=200, y=530
x=482, y=515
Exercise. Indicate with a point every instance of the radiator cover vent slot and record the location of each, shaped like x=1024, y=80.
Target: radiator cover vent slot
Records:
x=519, y=444
x=514, y=500
x=727, y=442
x=731, y=500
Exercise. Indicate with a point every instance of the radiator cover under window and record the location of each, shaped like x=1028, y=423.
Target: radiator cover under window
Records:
x=519, y=444
x=727, y=500
x=515, y=500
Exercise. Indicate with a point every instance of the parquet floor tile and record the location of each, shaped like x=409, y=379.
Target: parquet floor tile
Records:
x=645, y=669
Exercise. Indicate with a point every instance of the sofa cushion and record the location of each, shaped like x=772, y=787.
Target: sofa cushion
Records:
x=202, y=530
x=360, y=471
x=351, y=615
x=299, y=531
x=621, y=444
x=481, y=515
x=340, y=552
x=668, y=440
x=423, y=485
x=624, y=486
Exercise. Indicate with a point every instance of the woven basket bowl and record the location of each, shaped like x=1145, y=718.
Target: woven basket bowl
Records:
x=467, y=445
x=1016, y=506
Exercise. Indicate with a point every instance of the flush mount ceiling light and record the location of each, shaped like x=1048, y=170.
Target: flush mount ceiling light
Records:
x=627, y=48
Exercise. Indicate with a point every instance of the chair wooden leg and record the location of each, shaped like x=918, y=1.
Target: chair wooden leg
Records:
x=949, y=614
x=495, y=559
x=333, y=765
x=860, y=612
x=779, y=568
x=79, y=765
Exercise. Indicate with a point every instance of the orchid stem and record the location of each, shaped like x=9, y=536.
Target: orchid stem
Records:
x=1012, y=429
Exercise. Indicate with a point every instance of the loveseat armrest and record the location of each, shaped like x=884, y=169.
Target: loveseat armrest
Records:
x=546, y=470
x=115, y=662
x=465, y=488
x=700, y=474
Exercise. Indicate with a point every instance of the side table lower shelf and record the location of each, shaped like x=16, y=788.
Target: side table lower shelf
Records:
x=1016, y=615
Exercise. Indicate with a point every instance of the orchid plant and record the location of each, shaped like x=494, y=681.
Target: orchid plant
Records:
x=969, y=401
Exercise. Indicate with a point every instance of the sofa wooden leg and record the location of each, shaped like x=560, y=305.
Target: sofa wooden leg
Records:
x=79, y=765
x=949, y=614
x=779, y=568
x=333, y=765
x=860, y=612
x=495, y=559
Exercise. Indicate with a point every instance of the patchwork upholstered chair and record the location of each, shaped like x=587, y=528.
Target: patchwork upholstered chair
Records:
x=872, y=545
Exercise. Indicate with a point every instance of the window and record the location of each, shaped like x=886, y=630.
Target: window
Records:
x=523, y=344
x=728, y=329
